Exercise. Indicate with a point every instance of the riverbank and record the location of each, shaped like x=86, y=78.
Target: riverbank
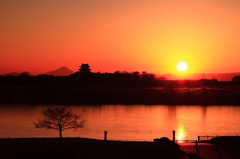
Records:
x=49, y=148
x=120, y=95
x=85, y=148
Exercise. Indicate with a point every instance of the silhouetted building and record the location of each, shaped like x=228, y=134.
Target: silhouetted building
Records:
x=85, y=69
x=236, y=78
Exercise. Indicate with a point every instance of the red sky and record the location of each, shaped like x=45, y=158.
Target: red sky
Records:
x=120, y=35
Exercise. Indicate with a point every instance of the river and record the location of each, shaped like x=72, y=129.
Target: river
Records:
x=127, y=122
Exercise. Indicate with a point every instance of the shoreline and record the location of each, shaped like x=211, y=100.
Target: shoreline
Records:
x=118, y=95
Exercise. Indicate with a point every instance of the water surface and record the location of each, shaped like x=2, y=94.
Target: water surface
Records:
x=127, y=122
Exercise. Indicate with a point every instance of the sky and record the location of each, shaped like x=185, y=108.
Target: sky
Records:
x=121, y=35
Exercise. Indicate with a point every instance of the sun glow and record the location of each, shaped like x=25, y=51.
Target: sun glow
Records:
x=182, y=66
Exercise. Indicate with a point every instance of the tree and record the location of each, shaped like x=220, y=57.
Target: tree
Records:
x=59, y=119
x=24, y=74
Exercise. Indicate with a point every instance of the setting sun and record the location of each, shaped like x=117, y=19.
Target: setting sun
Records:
x=182, y=66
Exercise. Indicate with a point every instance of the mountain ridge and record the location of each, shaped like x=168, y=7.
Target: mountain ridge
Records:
x=62, y=71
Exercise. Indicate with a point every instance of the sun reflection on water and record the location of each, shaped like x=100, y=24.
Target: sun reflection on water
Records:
x=181, y=134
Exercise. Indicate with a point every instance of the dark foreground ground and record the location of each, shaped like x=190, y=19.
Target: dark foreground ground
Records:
x=48, y=148
x=230, y=145
x=33, y=148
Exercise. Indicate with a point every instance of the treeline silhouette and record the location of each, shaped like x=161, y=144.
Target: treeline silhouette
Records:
x=91, y=79
x=123, y=79
x=115, y=88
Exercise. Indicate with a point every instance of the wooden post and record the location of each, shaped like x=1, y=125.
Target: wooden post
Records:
x=196, y=144
x=105, y=135
x=198, y=138
x=173, y=136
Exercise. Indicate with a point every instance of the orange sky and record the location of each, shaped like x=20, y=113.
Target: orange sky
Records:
x=125, y=35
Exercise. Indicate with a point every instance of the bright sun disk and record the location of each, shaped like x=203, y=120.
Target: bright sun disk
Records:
x=182, y=66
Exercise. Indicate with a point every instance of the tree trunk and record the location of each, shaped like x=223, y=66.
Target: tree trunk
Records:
x=60, y=133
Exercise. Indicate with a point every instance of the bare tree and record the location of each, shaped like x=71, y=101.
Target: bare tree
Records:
x=59, y=119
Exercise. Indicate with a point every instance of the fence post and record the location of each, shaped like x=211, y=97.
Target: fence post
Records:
x=173, y=136
x=105, y=135
x=196, y=144
x=198, y=138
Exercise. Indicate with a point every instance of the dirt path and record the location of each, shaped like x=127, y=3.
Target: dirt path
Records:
x=206, y=150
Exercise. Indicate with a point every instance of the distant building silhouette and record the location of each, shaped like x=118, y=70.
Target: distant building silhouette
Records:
x=85, y=69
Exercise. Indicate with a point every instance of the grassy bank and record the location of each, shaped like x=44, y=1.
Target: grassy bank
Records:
x=85, y=148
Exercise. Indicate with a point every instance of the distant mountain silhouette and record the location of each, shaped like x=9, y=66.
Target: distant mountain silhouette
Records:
x=63, y=71
x=12, y=74
x=197, y=76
